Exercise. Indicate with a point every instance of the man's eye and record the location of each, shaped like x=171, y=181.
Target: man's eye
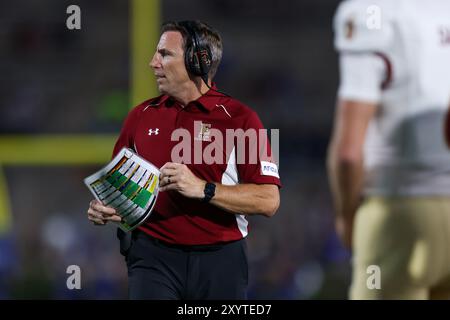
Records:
x=164, y=53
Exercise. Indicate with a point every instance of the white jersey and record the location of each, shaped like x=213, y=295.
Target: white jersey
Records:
x=396, y=53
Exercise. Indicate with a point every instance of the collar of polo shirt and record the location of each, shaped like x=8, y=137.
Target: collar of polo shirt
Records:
x=208, y=101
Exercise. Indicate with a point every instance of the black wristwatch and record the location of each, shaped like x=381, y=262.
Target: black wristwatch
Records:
x=209, y=191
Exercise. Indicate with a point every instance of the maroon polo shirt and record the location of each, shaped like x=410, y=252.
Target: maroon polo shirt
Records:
x=148, y=130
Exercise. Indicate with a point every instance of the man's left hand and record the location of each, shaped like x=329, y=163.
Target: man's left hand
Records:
x=178, y=177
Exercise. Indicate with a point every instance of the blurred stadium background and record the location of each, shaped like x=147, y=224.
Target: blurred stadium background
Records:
x=63, y=97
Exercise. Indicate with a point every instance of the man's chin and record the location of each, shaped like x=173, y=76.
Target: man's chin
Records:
x=161, y=90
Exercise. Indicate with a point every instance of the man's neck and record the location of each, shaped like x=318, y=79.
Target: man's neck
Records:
x=193, y=91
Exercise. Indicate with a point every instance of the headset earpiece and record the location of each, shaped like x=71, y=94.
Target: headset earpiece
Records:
x=197, y=57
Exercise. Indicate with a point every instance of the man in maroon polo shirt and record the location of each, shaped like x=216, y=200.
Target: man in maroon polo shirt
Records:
x=213, y=174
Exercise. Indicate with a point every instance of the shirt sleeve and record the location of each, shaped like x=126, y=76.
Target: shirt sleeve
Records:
x=257, y=164
x=126, y=137
x=364, y=26
x=364, y=38
x=361, y=77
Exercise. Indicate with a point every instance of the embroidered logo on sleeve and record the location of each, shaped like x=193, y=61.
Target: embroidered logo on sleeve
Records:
x=349, y=28
x=269, y=169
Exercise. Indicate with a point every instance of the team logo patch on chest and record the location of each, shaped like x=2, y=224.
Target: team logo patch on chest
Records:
x=202, y=131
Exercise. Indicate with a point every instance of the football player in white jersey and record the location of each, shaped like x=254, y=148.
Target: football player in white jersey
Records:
x=388, y=165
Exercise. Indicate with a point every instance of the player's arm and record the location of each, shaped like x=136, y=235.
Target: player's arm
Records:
x=249, y=198
x=365, y=64
x=345, y=161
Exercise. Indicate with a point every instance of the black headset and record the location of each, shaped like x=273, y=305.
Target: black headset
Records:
x=198, y=58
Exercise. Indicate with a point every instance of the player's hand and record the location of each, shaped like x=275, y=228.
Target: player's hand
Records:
x=178, y=177
x=100, y=214
x=344, y=229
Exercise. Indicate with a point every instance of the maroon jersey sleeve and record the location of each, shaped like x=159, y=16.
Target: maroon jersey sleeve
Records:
x=259, y=166
x=126, y=137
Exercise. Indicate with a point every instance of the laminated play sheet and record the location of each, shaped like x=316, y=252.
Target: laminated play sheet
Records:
x=129, y=184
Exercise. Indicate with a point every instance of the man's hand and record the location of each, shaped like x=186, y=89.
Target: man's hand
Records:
x=100, y=214
x=178, y=177
x=344, y=230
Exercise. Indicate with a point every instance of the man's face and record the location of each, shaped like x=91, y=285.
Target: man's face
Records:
x=168, y=64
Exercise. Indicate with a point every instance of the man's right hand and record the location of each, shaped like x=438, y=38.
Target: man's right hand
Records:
x=100, y=214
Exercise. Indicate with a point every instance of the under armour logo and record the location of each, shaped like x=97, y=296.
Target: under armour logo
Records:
x=151, y=131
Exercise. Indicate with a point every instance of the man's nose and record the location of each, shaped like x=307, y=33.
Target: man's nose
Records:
x=154, y=62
